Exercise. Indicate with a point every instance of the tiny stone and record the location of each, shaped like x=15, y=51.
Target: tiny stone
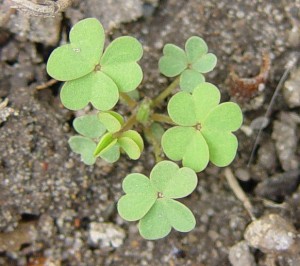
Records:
x=271, y=234
x=240, y=255
x=105, y=235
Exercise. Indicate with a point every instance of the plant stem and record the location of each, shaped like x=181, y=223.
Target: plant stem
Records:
x=128, y=125
x=129, y=101
x=165, y=93
x=162, y=118
x=157, y=148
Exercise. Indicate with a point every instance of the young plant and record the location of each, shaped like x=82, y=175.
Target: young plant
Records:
x=202, y=132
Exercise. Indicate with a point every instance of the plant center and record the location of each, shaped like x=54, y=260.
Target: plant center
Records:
x=97, y=67
x=160, y=195
x=198, y=127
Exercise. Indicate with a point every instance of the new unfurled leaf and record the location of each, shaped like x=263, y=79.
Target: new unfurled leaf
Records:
x=85, y=147
x=89, y=126
x=111, y=120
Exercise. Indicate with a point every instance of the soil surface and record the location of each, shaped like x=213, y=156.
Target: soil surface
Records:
x=54, y=210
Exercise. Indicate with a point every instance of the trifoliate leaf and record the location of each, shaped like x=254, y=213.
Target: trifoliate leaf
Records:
x=150, y=200
x=190, y=79
x=89, y=126
x=205, y=132
x=173, y=62
x=189, y=64
x=85, y=147
x=205, y=63
x=140, y=197
x=119, y=63
x=111, y=120
x=225, y=117
x=222, y=146
x=171, y=181
x=195, y=48
x=106, y=142
x=95, y=87
x=74, y=60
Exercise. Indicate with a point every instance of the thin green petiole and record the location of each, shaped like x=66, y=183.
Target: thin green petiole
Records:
x=165, y=93
x=156, y=146
x=129, y=101
x=162, y=118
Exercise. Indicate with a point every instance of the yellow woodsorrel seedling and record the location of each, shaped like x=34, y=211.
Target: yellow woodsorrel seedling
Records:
x=202, y=132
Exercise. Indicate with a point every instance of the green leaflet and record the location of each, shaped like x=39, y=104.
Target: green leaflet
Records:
x=89, y=126
x=85, y=147
x=111, y=120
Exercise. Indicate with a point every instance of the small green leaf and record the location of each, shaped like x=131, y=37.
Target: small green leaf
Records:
x=136, y=137
x=121, y=50
x=175, y=141
x=112, y=154
x=127, y=76
x=85, y=147
x=195, y=48
x=190, y=79
x=171, y=181
x=222, y=146
x=186, y=144
x=95, y=87
x=225, y=117
x=180, y=217
x=197, y=154
x=119, y=63
x=106, y=142
x=173, y=62
x=205, y=63
x=162, y=173
x=206, y=97
x=130, y=147
x=140, y=197
x=165, y=214
x=181, y=109
x=155, y=225
x=111, y=120
x=72, y=61
x=89, y=126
